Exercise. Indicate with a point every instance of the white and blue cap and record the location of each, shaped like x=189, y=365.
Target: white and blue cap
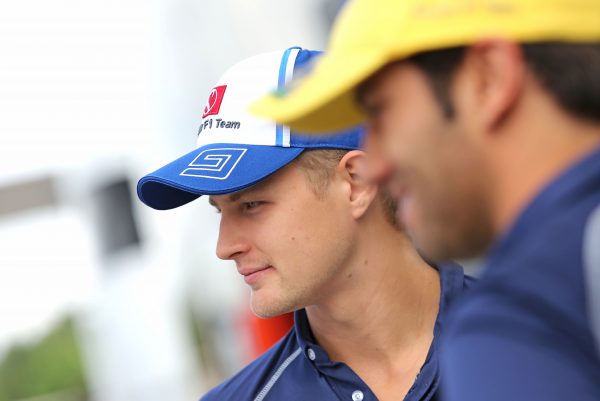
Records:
x=235, y=150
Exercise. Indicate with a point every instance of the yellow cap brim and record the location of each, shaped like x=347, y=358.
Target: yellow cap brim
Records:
x=325, y=100
x=368, y=35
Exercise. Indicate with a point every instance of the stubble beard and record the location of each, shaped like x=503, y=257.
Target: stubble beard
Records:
x=455, y=227
x=294, y=294
x=287, y=299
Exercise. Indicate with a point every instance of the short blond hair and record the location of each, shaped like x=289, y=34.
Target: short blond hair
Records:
x=319, y=166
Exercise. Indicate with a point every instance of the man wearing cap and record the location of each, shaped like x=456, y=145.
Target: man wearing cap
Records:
x=490, y=113
x=311, y=233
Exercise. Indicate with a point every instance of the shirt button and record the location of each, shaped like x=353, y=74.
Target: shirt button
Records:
x=358, y=395
x=311, y=355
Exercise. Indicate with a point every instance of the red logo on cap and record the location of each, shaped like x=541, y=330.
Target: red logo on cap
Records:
x=214, y=101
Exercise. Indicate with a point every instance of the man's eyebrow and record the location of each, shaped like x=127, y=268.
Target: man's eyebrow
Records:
x=231, y=198
x=236, y=196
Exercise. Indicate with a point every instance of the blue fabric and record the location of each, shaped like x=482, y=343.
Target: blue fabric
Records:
x=166, y=188
x=323, y=379
x=523, y=332
x=281, y=85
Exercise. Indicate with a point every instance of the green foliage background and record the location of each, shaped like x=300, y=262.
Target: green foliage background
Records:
x=49, y=366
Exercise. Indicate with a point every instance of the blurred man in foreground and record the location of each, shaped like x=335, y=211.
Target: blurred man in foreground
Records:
x=490, y=112
x=311, y=233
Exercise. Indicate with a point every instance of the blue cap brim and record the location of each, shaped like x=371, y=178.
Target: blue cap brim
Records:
x=214, y=169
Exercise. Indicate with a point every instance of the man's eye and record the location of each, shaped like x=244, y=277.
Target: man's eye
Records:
x=251, y=205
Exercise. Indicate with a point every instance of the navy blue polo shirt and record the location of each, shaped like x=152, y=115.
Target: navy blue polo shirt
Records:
x=524, y=332
x=298, y=369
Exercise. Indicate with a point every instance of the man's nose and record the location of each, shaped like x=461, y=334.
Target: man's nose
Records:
x=231, y=242
x=379, y=168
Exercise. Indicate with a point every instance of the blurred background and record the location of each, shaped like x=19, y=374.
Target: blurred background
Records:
x=102, y=298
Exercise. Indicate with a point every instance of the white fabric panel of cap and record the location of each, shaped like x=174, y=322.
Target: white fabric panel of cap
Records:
x=245, y=82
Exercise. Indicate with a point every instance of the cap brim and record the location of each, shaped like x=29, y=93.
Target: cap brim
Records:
x=213, y=169
x=324, y=101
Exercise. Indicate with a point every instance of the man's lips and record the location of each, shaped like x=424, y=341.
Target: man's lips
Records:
x=253, y=274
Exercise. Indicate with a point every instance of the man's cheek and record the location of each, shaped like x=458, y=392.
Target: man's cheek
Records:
x=394, y=150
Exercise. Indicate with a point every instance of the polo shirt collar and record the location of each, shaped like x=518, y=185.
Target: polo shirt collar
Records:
x=451, y=284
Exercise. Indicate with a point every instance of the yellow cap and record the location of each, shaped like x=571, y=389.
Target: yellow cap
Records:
x=368, y=34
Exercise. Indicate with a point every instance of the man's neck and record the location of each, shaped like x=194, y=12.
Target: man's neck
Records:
x=381, y=317
x=535, y=147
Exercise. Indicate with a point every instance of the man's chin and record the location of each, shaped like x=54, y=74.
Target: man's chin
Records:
x=436, y=248
x=268, y=307
x=268, y=313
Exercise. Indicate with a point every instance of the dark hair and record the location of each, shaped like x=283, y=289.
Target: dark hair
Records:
x=570, y=72
x=439, y=66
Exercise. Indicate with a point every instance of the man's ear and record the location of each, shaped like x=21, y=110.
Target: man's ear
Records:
x=354, y=168
x=496, y=71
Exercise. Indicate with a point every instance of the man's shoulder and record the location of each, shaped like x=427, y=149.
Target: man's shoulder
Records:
x=248, y=382
x=554, y=239
x=549, y=263
x=539, y=287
